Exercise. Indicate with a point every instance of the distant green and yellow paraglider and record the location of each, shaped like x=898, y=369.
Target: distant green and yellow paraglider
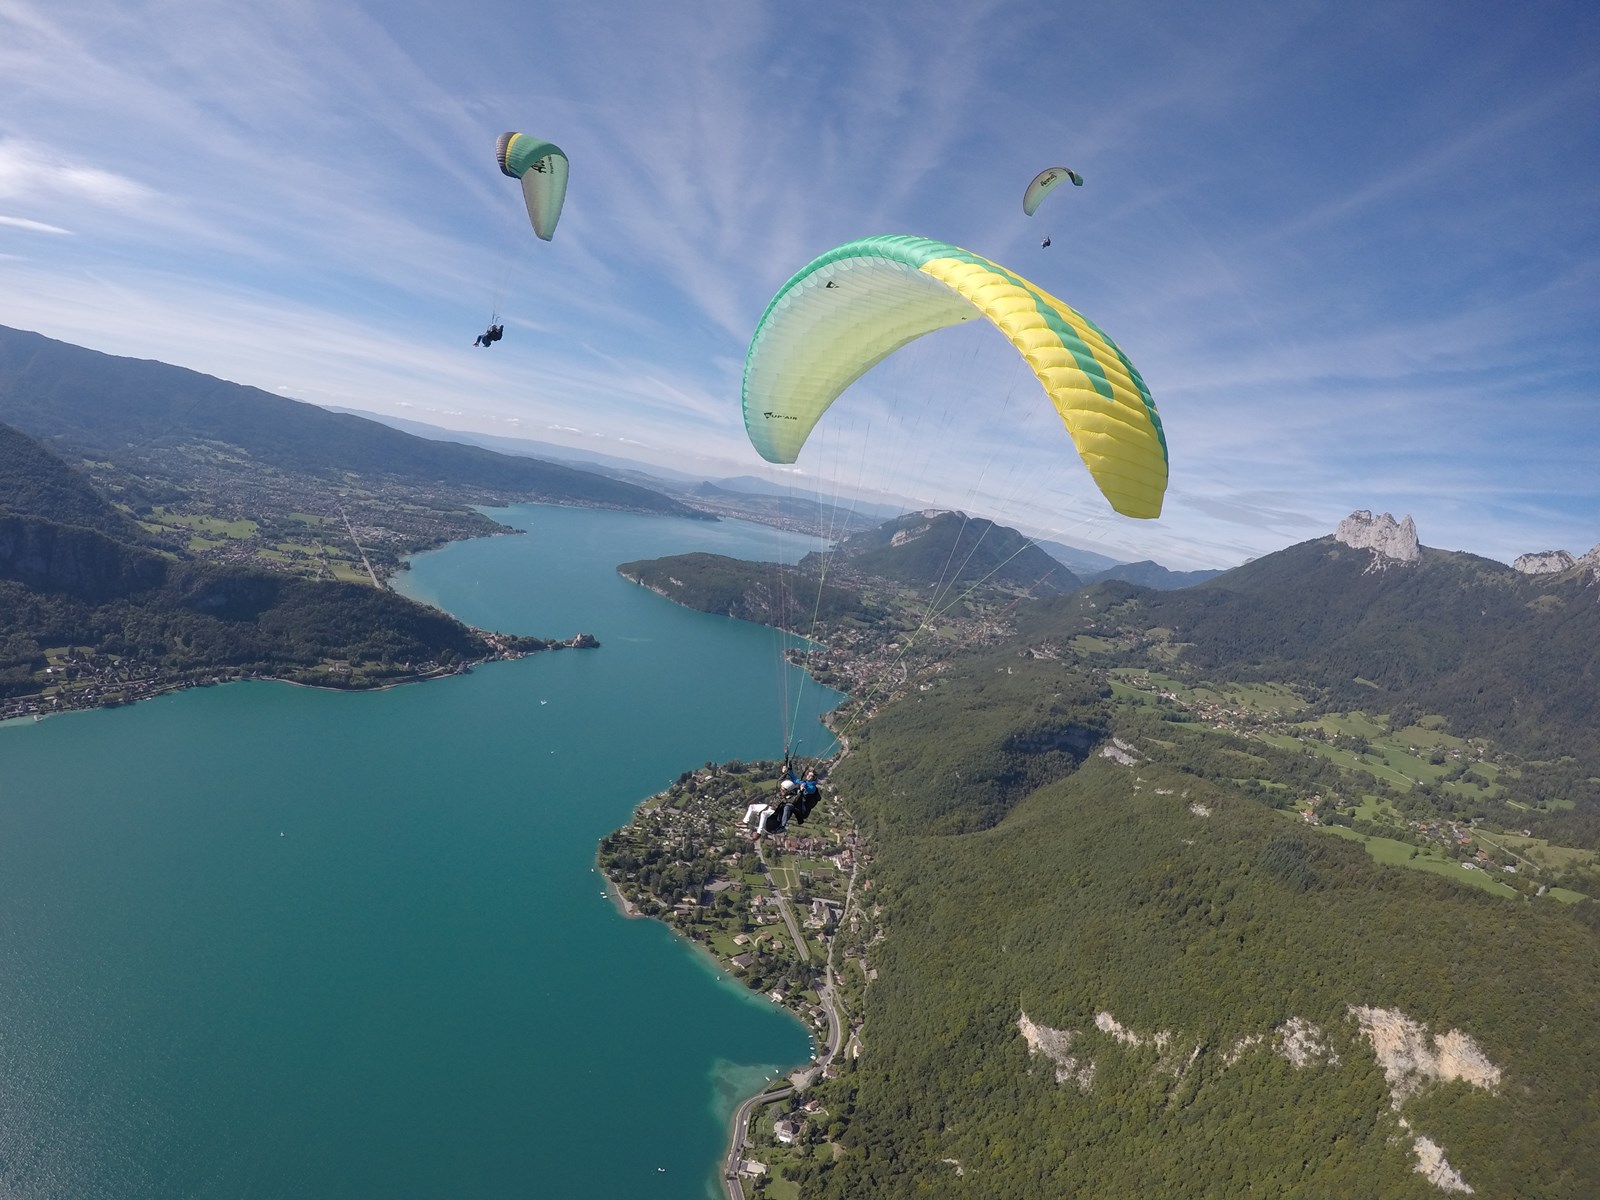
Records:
x=855, y=305
x=1044, y=183
x=542, y=168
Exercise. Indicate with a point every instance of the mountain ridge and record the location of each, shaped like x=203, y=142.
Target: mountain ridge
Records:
x=134, y=411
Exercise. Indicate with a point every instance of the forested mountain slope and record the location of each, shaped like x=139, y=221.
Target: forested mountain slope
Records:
x=762, y=592
x=138, y=413
x=950, y=550
x=91, y=611
x=37, y=483
x=1151, y=575
x=1508, y=655
x=1108, y=972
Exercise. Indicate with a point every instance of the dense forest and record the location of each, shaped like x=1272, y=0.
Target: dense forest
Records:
x=202, y=623
x=769, y=593
x=1050, y=859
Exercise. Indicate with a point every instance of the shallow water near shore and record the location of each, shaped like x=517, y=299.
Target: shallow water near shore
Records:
x=267, y=941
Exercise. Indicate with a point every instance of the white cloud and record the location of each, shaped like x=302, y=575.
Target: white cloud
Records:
x=32, y=226
x=30, y=173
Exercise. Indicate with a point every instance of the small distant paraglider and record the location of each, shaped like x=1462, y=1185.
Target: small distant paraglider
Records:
x=541, y=168
x=1044, y=183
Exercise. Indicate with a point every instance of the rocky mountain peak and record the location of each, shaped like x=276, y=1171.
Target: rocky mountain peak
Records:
x=1544, y=562
x=1553, y=562
x=1383, y=535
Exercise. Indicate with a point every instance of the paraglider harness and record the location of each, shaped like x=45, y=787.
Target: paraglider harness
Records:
x=809, y=793
x=493, y=335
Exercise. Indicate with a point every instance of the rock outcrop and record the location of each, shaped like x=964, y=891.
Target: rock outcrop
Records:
x=1545, y=562
x=1412, y=1058
x=1303, y=1043
x=1056, y=1045
x=1383, y=535
x=1432, y=1166
x=1590, y=562
x=1120, y=751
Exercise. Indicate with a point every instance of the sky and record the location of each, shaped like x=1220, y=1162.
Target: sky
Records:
x=1353, y=250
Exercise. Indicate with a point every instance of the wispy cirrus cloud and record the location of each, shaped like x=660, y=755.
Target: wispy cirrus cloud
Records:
x=32, y=226
x=1358, y=261
x=29, y=173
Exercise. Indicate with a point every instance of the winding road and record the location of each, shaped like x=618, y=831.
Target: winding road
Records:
x=825, y=993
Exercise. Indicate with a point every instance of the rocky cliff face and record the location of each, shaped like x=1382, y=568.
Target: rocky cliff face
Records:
x=1553, y=562
x=1544, y=562
x=1385, y=537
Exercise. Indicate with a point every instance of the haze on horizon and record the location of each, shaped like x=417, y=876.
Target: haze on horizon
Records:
x=1353, y=255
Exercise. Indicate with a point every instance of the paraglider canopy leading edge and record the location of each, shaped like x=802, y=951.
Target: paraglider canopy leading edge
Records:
x=860, y=302
x=542, y=168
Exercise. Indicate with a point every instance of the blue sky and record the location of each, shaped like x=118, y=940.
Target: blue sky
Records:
x=1355, y=255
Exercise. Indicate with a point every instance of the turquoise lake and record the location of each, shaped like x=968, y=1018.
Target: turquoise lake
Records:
x=265, y=941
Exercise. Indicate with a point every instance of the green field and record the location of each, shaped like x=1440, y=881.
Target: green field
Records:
x=1266, y=697
x=162, y=519
x=786, y=877
x=1360, y=743
x=1087, y=643
x=1400, y=854
x=1539, y=851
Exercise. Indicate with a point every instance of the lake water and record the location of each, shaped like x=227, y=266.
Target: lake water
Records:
x=265, y=941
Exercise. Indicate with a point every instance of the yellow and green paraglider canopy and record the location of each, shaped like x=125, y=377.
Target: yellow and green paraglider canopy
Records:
x=855, y=305
x=542, y=168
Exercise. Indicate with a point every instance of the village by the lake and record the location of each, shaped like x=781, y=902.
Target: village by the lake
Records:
x=790, y=914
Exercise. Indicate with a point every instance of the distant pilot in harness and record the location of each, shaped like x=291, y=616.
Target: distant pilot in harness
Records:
x=489, y=338
x=1045, y=245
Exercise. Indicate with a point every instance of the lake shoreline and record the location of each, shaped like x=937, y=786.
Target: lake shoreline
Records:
x=270, y=877
x=774, y=956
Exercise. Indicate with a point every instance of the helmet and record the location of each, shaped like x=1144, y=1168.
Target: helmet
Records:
x=788, y=785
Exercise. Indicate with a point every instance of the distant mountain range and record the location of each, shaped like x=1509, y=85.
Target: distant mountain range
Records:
x=799, y=505
x=1083, y=563
x=948, y=551
x=518, y=447
x=137, y=413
